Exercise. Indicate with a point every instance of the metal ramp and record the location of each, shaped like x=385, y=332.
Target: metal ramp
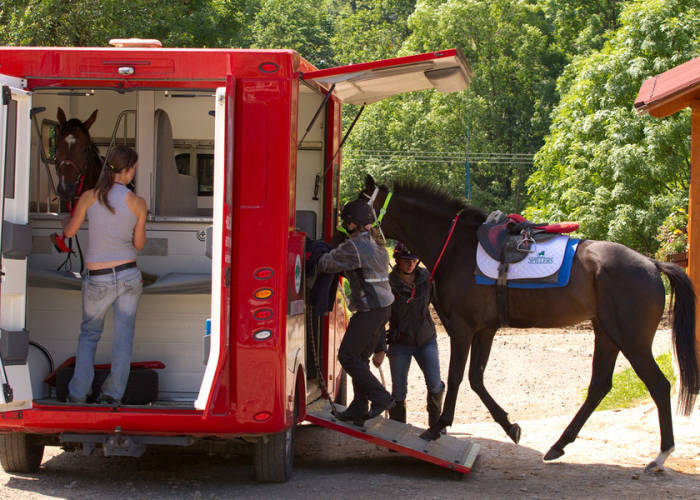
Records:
x=448, y=451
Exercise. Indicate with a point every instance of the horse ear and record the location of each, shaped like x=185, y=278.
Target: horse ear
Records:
x=61, y=117
x=88, y=123
x=369, y=183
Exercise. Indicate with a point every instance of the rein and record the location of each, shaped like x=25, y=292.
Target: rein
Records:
x=447, y=241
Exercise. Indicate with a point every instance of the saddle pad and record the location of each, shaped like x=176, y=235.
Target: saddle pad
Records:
x=550, y=263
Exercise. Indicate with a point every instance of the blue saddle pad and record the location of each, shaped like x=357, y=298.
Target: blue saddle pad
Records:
x=559, y=279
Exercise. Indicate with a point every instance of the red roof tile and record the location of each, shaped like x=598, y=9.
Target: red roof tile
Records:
x=674, y=89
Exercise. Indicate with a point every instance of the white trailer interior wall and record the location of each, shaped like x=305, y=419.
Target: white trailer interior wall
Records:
x=169, y=326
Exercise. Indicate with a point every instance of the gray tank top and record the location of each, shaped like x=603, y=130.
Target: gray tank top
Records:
x=110, y=235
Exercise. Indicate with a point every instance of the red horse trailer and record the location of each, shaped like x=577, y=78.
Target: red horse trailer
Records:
x=238, y=165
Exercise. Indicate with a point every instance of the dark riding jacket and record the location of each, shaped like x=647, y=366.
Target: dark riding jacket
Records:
x=410, y=322
x=365, y=265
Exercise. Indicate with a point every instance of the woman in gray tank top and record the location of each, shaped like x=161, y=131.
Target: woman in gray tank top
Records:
x=116, y=230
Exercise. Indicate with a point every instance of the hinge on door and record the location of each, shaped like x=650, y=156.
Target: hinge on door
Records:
x=7, y=392
x=6, y=95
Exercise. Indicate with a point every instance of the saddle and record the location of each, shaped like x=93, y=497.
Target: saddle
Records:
x=510, y=238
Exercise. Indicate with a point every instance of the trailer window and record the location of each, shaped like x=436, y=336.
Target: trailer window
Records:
x=49, y=130
x=10, y=149
x=204, y=168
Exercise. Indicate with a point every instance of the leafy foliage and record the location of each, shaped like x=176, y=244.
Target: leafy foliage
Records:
x=617, y=173
x=552, y=77
x=191, y=23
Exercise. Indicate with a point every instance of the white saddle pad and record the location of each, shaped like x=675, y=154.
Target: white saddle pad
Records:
x=544, y=260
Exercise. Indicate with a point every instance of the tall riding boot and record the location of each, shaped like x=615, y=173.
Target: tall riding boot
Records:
x=398, y=412
x=435, y=406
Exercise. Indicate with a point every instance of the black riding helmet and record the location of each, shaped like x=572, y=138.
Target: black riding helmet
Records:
x=401, y=251
x=357, y=211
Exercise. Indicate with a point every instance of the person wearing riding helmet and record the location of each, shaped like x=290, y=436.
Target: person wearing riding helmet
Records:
x=117, y=229
x=365, y=264
x=411, y=334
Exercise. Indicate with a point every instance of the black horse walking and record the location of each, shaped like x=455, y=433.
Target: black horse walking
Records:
x=618, y=289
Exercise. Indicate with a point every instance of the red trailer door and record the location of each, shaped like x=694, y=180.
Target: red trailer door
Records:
x=365, y=83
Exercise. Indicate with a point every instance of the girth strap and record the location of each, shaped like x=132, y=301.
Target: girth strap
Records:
x=502, y=294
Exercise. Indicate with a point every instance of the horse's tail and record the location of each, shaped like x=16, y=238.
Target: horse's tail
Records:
x=683, y=333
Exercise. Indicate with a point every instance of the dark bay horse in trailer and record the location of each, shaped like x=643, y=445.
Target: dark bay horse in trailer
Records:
x=78, y=163
x=618, y=289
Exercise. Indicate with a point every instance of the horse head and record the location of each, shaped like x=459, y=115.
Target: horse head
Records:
x=420, y=215
x=77, y=161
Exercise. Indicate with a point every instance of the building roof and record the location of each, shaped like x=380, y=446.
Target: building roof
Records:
x=670, y=91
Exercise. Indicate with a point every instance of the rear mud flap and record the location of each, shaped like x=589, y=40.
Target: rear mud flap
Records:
x=448, y=451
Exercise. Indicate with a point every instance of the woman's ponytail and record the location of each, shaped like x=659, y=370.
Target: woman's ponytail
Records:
x=119, y=158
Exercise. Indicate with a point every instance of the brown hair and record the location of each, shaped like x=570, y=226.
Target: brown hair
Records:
x=119, y=158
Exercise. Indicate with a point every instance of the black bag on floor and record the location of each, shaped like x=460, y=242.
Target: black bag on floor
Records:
x=141, y=389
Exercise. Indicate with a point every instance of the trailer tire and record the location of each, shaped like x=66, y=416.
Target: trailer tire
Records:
x=274, y=454
x=18, y=453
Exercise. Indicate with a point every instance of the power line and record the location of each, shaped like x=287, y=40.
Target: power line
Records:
x=390, y=156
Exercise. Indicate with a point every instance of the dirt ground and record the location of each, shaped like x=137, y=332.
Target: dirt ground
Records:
x=537, y=377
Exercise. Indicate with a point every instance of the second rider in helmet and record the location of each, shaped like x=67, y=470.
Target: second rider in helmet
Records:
x=412, y=334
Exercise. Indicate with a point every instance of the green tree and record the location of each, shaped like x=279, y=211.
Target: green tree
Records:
x=509, y=45
x=370, y=29
x=302, y=25
x=580, y=27
x=192, y=23
x=619, y=174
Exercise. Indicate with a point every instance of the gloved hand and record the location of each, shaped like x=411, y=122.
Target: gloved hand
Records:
x=378, y=358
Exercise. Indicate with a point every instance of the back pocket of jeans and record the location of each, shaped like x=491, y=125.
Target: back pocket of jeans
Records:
x=133, y=285
x=96, y=291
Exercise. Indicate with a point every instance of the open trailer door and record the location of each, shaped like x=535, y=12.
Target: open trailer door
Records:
x=15, y=241
x=221, y=244
x=365, y=83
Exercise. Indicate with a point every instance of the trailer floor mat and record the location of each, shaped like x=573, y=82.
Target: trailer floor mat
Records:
x=450, y=452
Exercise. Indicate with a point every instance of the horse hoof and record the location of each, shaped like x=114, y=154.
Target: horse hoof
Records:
x=514, y=433
x=553, y=454
x=430, y=435
x=653, y=468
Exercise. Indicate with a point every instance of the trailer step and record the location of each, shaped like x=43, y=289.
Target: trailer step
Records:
x=448, y=451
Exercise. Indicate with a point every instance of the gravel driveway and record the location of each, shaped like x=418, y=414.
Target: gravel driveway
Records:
x=538, y=377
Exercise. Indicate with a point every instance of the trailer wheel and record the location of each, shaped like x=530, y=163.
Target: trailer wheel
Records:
x=274, y=455
x=18, y=453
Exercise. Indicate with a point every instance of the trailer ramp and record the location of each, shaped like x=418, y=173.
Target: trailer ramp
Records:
x=450, y=452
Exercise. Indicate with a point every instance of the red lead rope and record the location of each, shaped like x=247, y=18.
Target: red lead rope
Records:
x=447, y=241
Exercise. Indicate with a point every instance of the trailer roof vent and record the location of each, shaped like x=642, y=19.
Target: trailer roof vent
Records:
x=150, y=43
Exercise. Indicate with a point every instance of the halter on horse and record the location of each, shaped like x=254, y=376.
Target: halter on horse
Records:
x=616, y=288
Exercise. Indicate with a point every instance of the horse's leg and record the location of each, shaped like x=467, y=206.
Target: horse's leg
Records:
x=604, y=356
x=460, y=339
x=649, y=372
x=481, y=349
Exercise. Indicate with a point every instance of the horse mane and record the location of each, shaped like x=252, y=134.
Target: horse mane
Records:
x=435, y=195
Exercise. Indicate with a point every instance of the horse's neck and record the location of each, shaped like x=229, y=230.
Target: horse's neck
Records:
x=427, y=231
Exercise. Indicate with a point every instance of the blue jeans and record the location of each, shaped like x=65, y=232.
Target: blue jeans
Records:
x=121, y=291
x=400, y=361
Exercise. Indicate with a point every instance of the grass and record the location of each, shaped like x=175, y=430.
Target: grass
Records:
x=628, y=390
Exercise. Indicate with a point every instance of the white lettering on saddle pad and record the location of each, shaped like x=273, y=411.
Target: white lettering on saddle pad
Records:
x=544, y=260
